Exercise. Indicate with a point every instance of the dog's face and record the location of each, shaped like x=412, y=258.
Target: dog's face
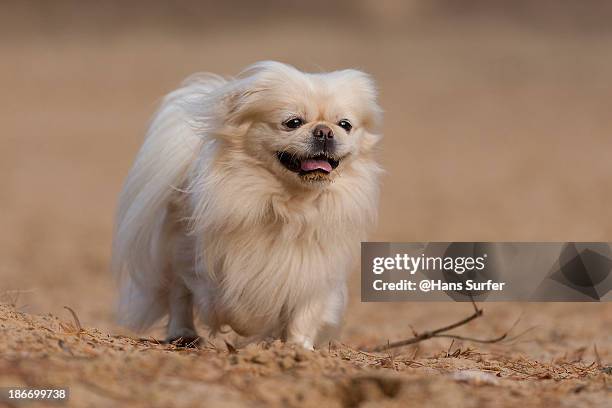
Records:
x=305, y=128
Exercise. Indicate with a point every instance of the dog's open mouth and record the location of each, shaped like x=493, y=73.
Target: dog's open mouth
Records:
x=320, y=163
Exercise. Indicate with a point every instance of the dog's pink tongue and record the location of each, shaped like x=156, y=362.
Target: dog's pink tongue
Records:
x=312, y=164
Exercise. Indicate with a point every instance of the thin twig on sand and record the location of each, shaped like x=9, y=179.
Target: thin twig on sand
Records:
x=78, y=328
x=441, y=332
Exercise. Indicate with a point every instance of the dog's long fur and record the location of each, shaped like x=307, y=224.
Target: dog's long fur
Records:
x=209, y=218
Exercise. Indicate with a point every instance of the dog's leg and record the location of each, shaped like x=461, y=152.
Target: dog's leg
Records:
x=332, y=315
x=181, y=329
x=305, y=323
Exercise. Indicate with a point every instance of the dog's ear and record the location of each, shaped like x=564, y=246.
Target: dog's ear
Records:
x=239, y=99
x=247, y=95
x=360, y=88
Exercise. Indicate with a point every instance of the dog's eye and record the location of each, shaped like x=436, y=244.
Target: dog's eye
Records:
x=293, y=123
x=345, y=124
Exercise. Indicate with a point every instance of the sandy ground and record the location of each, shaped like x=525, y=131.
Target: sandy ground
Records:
x=492, y=132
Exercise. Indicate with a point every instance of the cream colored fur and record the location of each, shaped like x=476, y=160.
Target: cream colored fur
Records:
x=210, y=220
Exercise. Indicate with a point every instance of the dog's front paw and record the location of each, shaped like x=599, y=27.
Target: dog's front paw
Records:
x=307, y=344
x=302, y=341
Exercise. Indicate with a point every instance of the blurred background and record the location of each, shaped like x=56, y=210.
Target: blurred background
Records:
x=497, y=127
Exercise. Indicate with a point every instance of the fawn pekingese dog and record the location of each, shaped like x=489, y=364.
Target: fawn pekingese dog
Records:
x=247, y=204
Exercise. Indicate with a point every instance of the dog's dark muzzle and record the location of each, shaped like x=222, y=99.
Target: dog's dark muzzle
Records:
x=323, y=141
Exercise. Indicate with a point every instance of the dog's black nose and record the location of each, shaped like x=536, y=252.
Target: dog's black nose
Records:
x=323, y=132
